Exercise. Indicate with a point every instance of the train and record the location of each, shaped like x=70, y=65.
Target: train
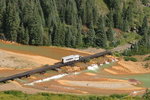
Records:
x=66, y=61
x=70, y=58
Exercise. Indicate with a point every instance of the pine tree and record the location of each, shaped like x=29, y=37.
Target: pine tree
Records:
x=23, y=35
x=68, y=39
x=144, y=28
x=12, y=21
x=35, y=29
x=83, y=11
x=79, y=40
x=145, y=2
x=126, y=26
x=101, y=39
x=47, y=37
x=2, y=10
x=118, y=20
x=56, y=35
x=71, y=12
x=50, y=12
x=129, y=15
x=110, y=34
x=110, y=20
x=62, y=34
x=91, y=37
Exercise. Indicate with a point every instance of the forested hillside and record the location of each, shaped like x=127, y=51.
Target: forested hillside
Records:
x=73, y=23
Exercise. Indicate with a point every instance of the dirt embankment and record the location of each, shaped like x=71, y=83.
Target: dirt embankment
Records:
x=16, y=60
x=128, y=67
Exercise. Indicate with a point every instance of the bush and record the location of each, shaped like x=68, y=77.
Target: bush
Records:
x=147, y=65
x=117, y=54
x=86, y=60
x=130, y=59
x=14, y=93
x=147, y=58
x=146, y=96
x=118, y=95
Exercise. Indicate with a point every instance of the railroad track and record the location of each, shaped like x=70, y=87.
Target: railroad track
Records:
x=52, y=67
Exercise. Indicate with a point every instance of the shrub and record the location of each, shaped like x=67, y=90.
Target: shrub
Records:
x=147, y=65
x=130, y=59
x=14, y=93
x=118, y=95
x=86, y=60
x=117, y=54
x=146, y=96
x=147, y=58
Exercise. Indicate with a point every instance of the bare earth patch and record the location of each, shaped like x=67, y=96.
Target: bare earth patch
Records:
x=102, y=85
x=16, y=86
x=16, y=60
x=93, y=50
x=88, y=83
x=128, y=67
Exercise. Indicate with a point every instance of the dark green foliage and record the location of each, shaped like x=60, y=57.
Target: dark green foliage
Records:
x=23, y=35
x=79, y=41
x=2, y=10
x=101, y=37
x=90, y=41
x=126, y=26
x=145, y=2
x=130, y=59
x=144, y=28
x=12, y=21
x=62, y=22
x=147, y=58
x=69, y=38
x=110, y=34
x=142, y=46
x=146, y=96
x=16, y=95
x=147, y=65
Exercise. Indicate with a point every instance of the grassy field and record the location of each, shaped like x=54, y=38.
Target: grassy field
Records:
x=129, y=37
x=17, y=95
x=51, y=52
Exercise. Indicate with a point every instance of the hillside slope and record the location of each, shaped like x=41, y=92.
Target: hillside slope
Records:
x=74, y=23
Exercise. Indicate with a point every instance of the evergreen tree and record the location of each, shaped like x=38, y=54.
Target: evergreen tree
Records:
x=47, y=39
x=68, y=40
x=12, y=21
x=35, y=29
x=23, y=35
x=144, y=28
x=129, y=15
x=71, y=12
x=110, y=20
x=56, y=35
x=2, y=10
x=79, y=41
x=101, y=37
x=110, y=34
x=70, y=22
x=145, y=2
x=91, y=37
x=126, y=26
x=118, y=20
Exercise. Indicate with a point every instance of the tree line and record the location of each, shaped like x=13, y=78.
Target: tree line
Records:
x=70, y=23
